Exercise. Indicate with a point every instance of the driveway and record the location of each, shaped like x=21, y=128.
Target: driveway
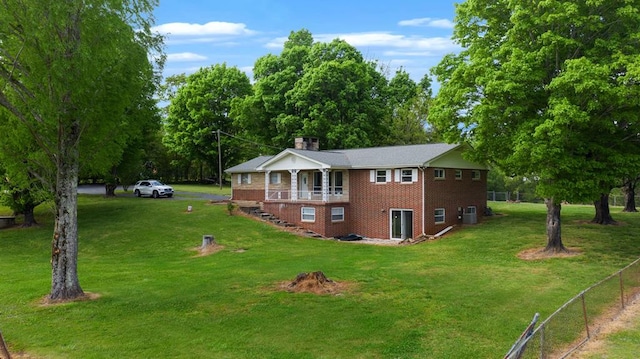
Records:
x=98, y=189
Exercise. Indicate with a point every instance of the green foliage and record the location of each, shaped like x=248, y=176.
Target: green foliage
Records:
x=546, y=90
x=199, y=108
x=410, y=104
x=472, y=298
x=324, y=90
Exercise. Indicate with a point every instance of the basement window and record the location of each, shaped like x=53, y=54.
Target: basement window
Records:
x=337, y=214
x=308, y=214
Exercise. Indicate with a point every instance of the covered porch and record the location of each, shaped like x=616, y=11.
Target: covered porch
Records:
x=310, y=185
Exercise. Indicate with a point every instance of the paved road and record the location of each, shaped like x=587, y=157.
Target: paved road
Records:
x=98, y=189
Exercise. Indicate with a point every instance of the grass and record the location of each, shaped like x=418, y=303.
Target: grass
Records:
x=466, y=295
x=203, y=188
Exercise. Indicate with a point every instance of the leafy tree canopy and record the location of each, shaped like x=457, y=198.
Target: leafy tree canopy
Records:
x=546, y=89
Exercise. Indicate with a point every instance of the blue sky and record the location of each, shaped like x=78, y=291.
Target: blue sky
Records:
x=414, y=34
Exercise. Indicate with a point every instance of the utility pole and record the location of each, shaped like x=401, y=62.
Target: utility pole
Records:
x=219, y=162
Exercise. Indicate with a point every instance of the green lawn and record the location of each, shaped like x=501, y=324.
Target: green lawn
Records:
x=203, y=188
x=466, y=295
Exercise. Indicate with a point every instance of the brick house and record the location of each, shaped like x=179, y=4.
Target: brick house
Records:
x=393, y=192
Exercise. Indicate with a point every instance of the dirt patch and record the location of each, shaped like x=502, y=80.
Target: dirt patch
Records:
x=207, y=250
x=314, y=282
x=533, y=254
x=597, y=344
x=45, y=302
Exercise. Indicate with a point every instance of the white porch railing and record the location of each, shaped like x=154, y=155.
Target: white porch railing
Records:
x=314, y=196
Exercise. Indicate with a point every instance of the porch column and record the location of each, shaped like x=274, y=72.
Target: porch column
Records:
x=266, y=185
x=325, y=185
x=294, y=184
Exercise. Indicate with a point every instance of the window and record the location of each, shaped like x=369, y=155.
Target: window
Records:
x=471, y=209
x=275, y=178
x=439, y=215
x=308, y=214
x=475, y=175
x=244, y=178
x=406, y=175
x=337, y=214
x=458, y=174
x=381, y=176
x=438, y=173
x=317, y=182
x=335, y=182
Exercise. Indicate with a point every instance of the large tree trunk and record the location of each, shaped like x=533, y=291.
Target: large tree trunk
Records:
x=554, y=237
x=29, y=217
x=110, y=189
x=629, y=190
x=64, y=249
x=603, y=215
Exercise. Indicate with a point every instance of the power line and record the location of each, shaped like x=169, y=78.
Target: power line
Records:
x=249, y=141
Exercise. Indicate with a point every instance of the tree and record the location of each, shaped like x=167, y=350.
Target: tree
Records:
x=409, y=103
x=546, y=90
x=324, y=90
x=629, y=190
x=200, y=108
x=340, y=98
x=263, y=116
x=67, y=69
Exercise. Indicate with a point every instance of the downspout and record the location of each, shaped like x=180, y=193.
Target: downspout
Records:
x=423, y=199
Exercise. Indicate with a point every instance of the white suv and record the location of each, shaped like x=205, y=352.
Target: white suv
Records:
x=152, y=188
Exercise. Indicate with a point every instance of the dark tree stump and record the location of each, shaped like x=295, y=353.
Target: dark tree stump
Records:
x=208, y=240
x=311, y=282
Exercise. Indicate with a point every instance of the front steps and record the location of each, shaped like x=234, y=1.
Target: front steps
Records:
x=268, y=217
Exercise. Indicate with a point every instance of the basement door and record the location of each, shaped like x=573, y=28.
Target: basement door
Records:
x=401, y=224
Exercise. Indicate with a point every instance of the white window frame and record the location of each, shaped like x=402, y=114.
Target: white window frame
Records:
x=471, y=209
x=336, y=188
x=458, y=174
x=376, y=176
x=337, y=214
x=275, y=178
x=407, y=175
x=438, y=173
x=475, y=175
x=244, y=178
x=308, y=214
x=439, y=217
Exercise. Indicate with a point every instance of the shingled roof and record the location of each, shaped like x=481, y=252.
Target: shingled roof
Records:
x=374, y=157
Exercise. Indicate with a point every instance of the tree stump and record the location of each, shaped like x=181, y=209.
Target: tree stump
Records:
x=314, y=282
x=207, y=240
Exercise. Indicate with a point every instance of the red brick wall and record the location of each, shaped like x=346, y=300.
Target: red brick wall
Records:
x=292, y=213
x=450, y=194
x=368, y=211
x=371, y=203
x=247, y=194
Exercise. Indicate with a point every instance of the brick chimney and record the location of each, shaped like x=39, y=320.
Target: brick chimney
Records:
x=307, y=143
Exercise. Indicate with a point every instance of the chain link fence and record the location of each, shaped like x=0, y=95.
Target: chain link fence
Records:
x=614, y=200
x=512, y=197
x=581, y=317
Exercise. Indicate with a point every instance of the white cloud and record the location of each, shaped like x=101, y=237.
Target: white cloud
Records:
x=402, y=45
x=216, y=28
x=428, y=22
x=385, y=39
x=185, y=57
x=276, y=43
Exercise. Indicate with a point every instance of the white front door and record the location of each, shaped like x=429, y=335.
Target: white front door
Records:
x=304, y=185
